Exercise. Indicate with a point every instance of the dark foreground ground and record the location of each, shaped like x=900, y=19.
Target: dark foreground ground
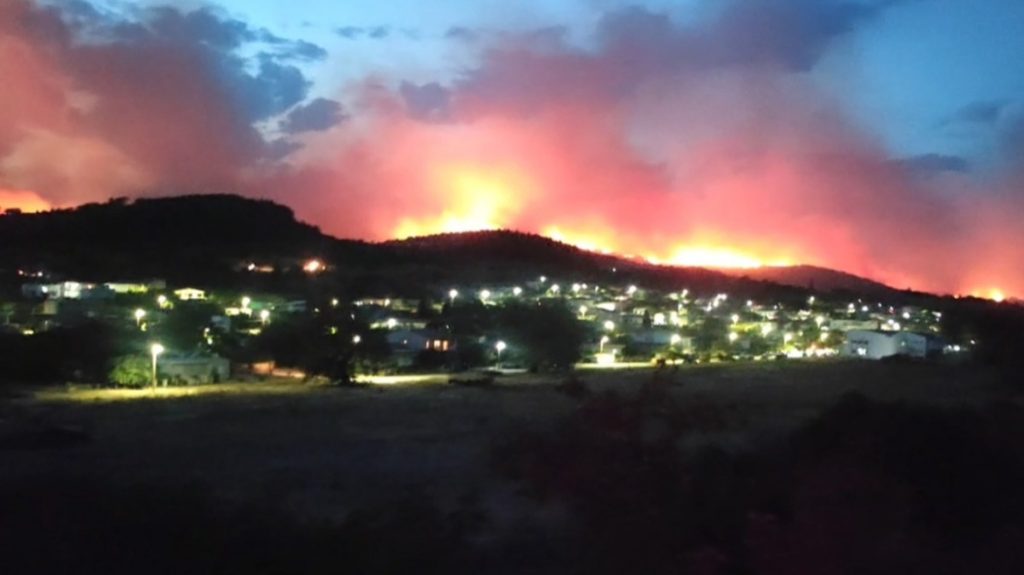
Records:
x=764, y=468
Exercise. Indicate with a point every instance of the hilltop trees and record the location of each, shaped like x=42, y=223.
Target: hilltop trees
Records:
x=547, y=335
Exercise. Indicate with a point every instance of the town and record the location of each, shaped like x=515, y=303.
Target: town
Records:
x=183, y=335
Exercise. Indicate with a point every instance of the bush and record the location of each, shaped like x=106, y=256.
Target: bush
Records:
x=131, y=371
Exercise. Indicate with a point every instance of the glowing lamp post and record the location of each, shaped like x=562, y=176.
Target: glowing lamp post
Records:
x=155, y=350
x=264, y=316
x=452, y=294
x=500, y=347
x=609, y=325
x=139, y=315
x=604, y=339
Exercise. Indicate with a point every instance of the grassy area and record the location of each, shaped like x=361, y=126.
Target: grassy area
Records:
x=315, y=452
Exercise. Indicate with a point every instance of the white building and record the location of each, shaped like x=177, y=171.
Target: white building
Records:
x=191, y=369
x=876, y=344
x=122, y=288
x=64, y=290
x=190, y=294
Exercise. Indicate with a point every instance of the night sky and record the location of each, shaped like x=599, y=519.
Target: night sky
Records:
x=880, y=137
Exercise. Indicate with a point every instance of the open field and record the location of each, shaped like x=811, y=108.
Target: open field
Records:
x=323, y=451
x=636, y=470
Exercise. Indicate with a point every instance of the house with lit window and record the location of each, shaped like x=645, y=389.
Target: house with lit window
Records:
x=406, y=344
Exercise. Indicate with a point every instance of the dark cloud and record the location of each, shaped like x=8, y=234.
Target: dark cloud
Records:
x=350, y=32
x=280, y=148
x=356, y=32
x=928, y=164
x=461, y=33
x=792, y=34
x=295, y=49
x=635, y=45
x=426, y=102
x=163, y=97
x=318, y=115
x=275, y=88
x=985, y=113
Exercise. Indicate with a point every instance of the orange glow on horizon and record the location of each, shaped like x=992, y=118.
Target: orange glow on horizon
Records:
x=27, y=202
x=586, y=242
x=720, y=257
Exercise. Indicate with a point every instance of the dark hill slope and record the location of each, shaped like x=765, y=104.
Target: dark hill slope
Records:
x=203, y=239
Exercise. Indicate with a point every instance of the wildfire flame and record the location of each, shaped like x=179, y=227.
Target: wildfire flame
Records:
x=475, y=200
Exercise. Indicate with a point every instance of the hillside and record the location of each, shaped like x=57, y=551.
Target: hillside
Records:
x=203, y=239
x=815, y=278
x=153, y=237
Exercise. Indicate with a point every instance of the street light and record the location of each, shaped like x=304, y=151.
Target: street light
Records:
x=139, y=314
x=246, y=300
x=264, y=316
x=452, y=294
x=161, y=301
x=485, y=295
x=604, y=340
x=609, y=325
x=517, y=291
x=357, y=339
x=500, y=347
x=155, y=350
